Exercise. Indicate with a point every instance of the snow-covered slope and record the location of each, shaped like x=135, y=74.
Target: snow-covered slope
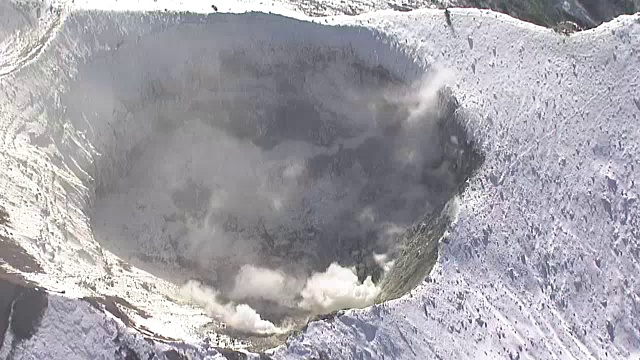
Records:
x=541, y=259
x=25, y=29
x=586, y=13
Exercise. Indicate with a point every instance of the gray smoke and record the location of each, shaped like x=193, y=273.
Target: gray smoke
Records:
x=336, y=287
x=270, y=178
x=240, y=317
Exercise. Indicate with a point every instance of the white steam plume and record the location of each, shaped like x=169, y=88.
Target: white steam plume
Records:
x=384, y=261
x=265, y=284
x=425, y=100
x=323, y=292
x=337, y=288
x=240, y=317
x=222, y=196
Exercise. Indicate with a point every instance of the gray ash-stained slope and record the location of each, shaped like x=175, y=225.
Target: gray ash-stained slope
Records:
x=11, y=253
x=15, y=256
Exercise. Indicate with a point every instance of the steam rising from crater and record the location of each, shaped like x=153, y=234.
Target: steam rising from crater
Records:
x=240, y=317
x=263, y=174
x=336, y=287
x=276, y=179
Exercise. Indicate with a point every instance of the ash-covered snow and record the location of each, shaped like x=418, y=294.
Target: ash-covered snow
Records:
x=541, y=260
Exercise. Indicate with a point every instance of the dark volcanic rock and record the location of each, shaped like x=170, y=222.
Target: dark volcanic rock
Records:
x=231, y=354
x=174, y=355
x=7, y=295
x=28, y=309
x=549, y=13
x=21, y=309
x=14, y=255
x=126, y=353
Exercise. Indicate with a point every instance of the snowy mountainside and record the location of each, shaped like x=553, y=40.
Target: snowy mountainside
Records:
x=49, y=326
x=586, y=13
x=538, y=264
x=25, y=29
x=541, y=260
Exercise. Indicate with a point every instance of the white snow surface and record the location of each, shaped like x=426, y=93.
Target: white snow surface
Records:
x=541, y=263
x=25, y=29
